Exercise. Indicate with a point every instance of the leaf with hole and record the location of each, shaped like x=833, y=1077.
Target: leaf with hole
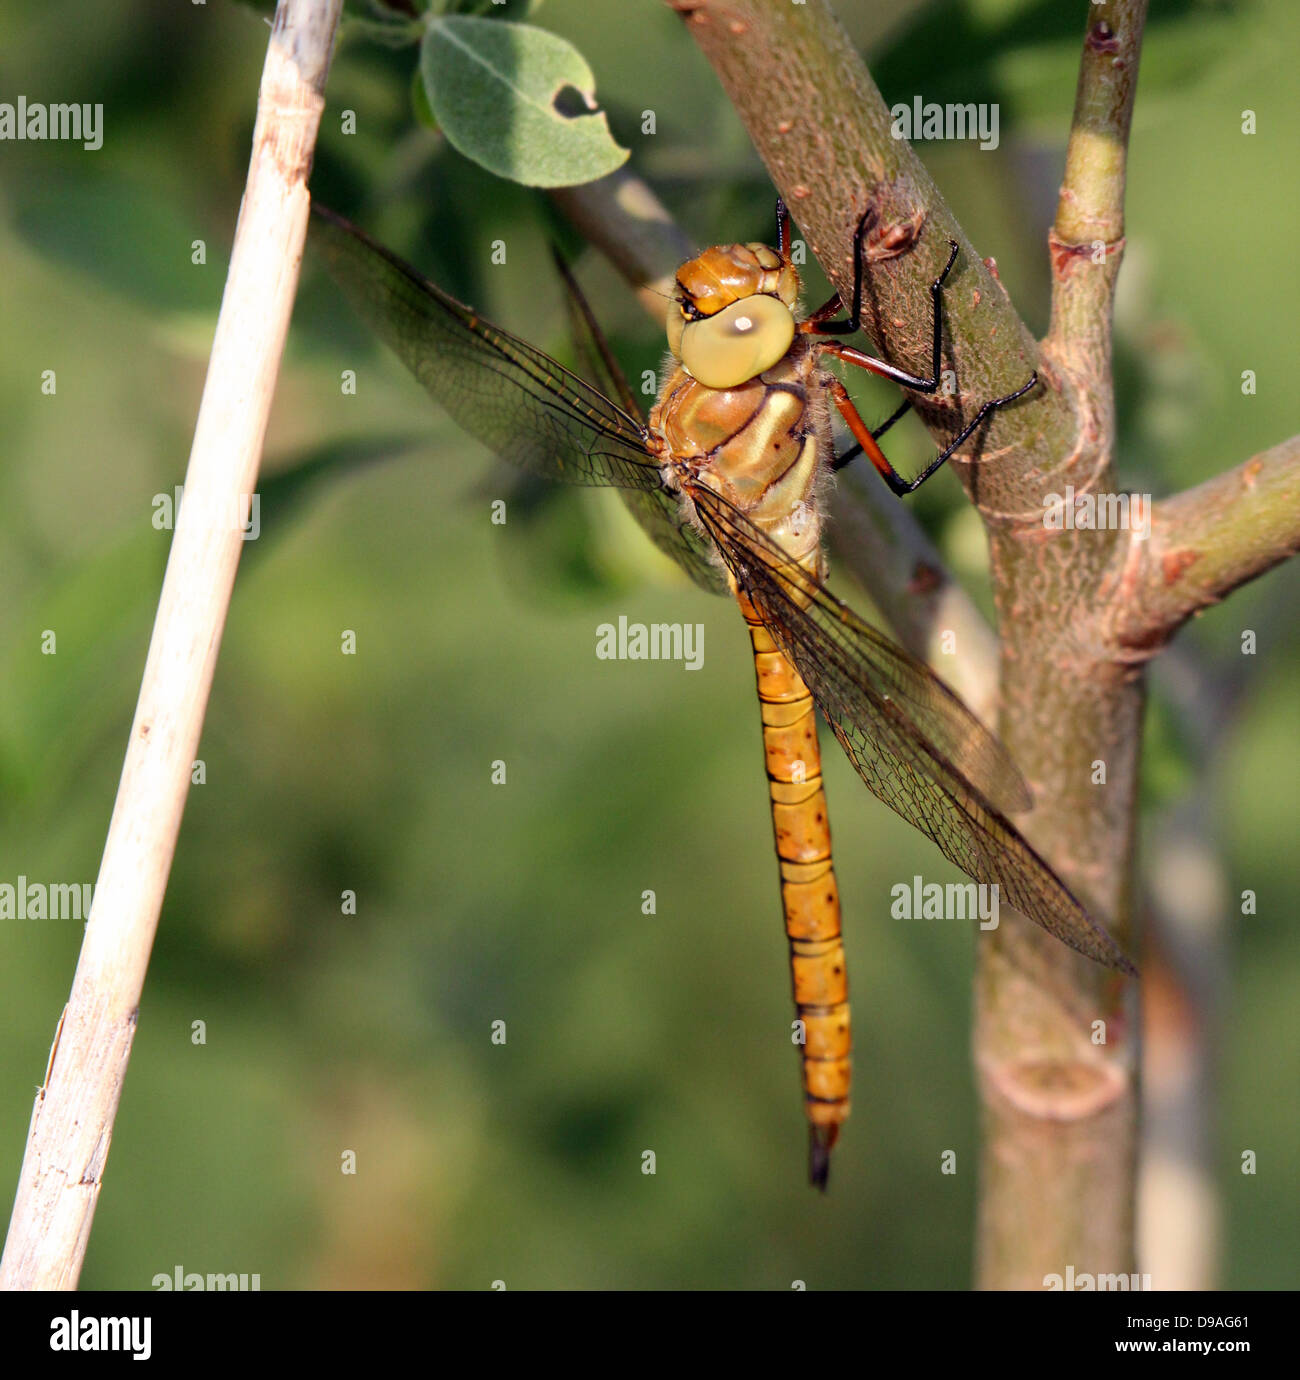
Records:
x=503, y=93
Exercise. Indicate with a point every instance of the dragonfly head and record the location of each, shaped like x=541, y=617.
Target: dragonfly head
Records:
x=733, y=313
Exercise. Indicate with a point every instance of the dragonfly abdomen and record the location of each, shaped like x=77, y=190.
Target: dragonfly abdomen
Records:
x=809, y=895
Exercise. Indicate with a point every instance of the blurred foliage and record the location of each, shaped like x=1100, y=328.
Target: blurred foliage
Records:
x=329, y=1032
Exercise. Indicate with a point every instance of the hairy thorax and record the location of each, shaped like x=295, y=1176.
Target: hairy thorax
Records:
x=759, y=444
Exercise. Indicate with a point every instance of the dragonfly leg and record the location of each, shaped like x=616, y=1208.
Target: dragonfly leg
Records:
x=830, y=307
x=867, y=439
x=782, y=228
x=853, y=323
x=877, y=432
x=864, y=437
x=817, y=323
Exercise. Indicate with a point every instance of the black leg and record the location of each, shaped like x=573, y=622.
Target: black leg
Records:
x=866, y=440
x=901, y=486
x=853, y=322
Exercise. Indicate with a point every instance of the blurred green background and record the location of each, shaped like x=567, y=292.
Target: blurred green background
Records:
x=329, y=1032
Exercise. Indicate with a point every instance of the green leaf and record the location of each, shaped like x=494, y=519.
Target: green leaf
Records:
x=494, y=91
x=420, y=103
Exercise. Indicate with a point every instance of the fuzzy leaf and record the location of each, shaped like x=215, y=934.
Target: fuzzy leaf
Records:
x=497, y=93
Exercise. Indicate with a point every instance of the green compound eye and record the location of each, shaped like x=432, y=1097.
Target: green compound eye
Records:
x=676, y=324
x=738, y=343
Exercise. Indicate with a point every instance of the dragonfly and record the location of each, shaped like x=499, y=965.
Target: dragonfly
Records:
x=728, y=474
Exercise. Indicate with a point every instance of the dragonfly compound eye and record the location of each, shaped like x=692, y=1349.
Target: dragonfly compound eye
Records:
x=737, y=343
x=676, y=324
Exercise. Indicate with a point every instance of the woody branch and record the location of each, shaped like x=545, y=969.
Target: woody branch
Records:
x=1206, y=541
x=1057, y=1114
x=1060, y=1112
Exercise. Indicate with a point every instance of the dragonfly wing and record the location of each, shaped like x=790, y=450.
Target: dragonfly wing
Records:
x=865, y=665
x=659, y=514
x=518, y=401
x=917, y=747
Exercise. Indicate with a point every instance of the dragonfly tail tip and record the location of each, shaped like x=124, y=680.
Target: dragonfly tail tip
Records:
x=820, y=1140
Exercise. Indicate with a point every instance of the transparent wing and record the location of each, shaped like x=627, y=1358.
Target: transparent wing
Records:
x=913, y=742
x=658, y=512
x=518, y=401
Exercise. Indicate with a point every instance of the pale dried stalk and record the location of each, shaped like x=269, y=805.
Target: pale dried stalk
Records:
x=72, y=1120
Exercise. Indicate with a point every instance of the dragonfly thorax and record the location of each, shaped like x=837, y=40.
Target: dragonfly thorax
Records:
x=759, y=444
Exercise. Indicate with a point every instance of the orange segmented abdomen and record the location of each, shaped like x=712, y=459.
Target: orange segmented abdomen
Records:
x=810, y=898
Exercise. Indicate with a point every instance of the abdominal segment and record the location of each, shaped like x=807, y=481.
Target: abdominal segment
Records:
x=809, y=895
